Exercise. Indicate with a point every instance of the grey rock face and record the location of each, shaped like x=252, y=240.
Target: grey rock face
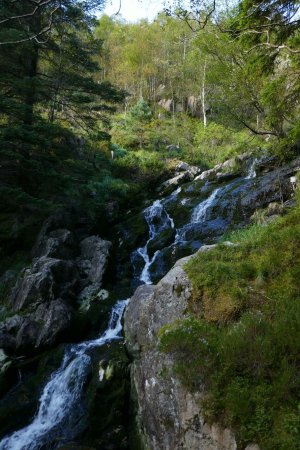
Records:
x=91, y=265
x=43, y=282
x=179, y=179
x=184, y=173
x=221, y=172
x=184, y=167
x=169, y=417
x=93, y=260
x=43, y=327
x=56, y=244
x=45, y=293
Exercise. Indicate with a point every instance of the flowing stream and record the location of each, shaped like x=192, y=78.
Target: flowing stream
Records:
x=158, y=220
x=251, y=170
x=61, y=410
x=61, y=413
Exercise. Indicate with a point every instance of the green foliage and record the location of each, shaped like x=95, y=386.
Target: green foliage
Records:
x=107, y=189
x=52, y=105
x=215, y=143
x=156, y=135
x=141, y=111
x=142, y=166
x=246, y=79
x=119, y=152
x=245, y=342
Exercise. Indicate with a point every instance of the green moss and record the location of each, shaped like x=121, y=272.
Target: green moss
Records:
x=107, y=399
x=165, y=238
x=243, y=337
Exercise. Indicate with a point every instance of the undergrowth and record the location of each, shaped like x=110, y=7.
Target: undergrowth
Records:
x=242, y=339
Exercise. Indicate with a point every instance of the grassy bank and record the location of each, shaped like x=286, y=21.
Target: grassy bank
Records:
x=242, y=339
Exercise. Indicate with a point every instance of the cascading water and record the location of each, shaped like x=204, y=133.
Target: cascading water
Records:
x=60, y=414
x=158, y=220
x=208, y=220
x=251, y=170
x=199, y=213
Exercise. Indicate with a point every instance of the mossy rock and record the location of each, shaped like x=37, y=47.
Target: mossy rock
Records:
x=132, y=233
x=107, y=399
x=165, y=238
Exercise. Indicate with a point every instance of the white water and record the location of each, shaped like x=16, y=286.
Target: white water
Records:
x=199, y=214
x=252, y=171
x=200, y=211
x=158, y=220
x=60, y=409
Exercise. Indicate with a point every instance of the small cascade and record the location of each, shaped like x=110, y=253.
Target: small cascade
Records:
x=251, y=170
x=60, y=414
x=199, y=215
x=172, y=196
x=200, y=211
x=158, y=220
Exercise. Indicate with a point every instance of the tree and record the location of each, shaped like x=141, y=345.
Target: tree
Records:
x=34, y=20
x=254, y=48
x=48, y=96
x=270, y=24
x=56, y=74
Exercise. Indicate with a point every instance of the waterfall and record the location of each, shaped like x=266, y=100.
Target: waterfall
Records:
x=200, y=211
x=251, y=170
x=60, y=406
x=158, y=220
x=199, y=215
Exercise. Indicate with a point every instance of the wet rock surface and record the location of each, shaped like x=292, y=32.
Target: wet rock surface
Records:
x=63, y=288
x=217, y=201
x=198, y=213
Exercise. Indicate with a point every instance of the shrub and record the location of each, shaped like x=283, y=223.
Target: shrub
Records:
x=215, y=143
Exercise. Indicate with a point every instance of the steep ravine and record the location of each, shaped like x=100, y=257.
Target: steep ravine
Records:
x=63, y=297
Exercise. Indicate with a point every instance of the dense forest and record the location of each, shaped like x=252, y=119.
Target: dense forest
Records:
x=96, y=113
x=199, y=86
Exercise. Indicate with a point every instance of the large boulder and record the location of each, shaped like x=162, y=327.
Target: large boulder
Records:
x=45, y=294
x=172, y=183
x=168, y=416
x=93, y=259
x=91, y=265
x=56, y=244
x=45, y=280
x=185, y=167
x=183, y=174
x=42, y=328
x=227, y=170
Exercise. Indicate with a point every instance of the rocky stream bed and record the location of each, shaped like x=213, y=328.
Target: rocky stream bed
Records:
x=65, y=372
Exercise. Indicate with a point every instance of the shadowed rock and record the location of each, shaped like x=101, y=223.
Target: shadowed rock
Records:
x=47, y=279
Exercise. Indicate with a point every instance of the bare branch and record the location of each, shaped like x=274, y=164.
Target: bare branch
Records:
x=26, y=15
x=35, y=37
x=276, y=47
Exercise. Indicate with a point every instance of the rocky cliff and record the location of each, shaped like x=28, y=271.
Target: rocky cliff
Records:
x=168, y=416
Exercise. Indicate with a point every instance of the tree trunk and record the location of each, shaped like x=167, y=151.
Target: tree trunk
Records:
x=203, y=95
x=30, y=89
